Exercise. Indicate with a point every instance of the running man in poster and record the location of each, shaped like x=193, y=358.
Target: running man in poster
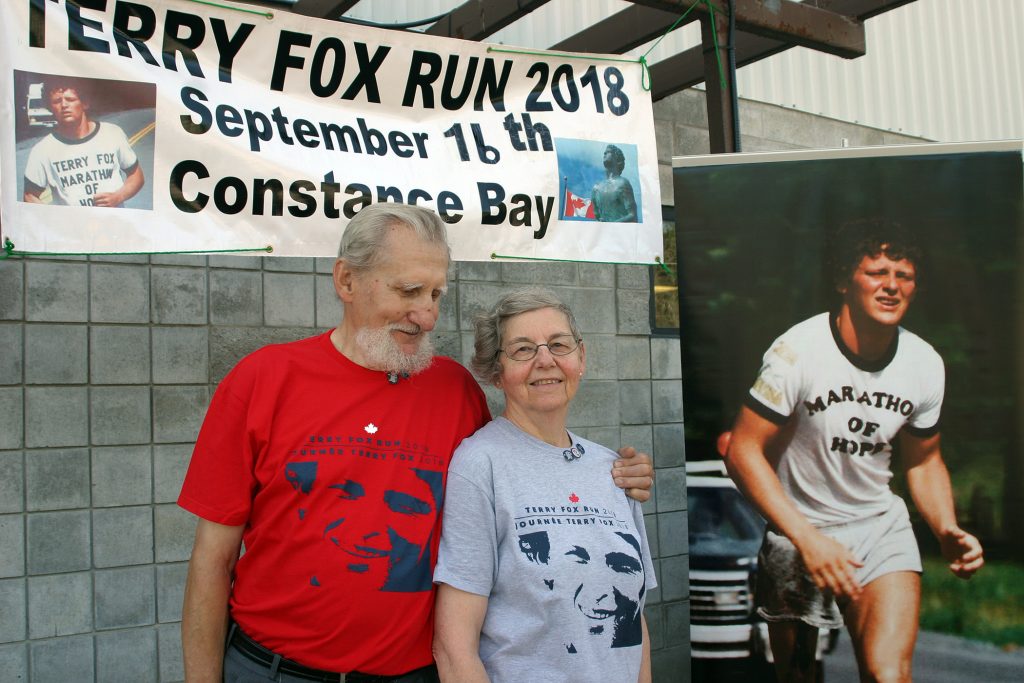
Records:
x=835, y=393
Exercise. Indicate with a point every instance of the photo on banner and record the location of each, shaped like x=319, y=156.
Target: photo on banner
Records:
x=78, y=137
x=753, y=231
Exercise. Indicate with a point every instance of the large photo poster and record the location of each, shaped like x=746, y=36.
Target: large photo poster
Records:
x=754, y=232
x=220, y=126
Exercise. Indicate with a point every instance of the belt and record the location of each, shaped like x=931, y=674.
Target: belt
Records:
x=252, y=650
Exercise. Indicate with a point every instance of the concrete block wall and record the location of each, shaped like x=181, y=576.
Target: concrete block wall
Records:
x=107, y=365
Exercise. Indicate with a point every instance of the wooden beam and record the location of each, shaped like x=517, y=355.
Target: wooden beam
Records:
x=623, y=31
x=787, y=20
x=478, y=19
x=686, y=69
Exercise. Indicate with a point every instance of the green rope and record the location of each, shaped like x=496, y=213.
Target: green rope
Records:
x=267, y=15
x=663, y=266
x=672, y=27
x=568, y=260
x=8, y=250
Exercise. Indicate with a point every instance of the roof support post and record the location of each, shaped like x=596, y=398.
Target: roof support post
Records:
x=722, y=125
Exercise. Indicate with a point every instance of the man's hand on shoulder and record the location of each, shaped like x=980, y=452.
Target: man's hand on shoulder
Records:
x=962, y=550
x=634, y=472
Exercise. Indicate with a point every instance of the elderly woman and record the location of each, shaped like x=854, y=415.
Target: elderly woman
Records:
x=544, y=563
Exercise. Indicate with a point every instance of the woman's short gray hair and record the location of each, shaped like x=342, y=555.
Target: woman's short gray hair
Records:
x=363, y=242
x=490, y=326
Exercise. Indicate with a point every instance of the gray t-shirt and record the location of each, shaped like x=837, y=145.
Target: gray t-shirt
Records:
x=559, y=550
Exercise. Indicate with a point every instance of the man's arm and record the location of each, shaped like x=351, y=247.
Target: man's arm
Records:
x=458, y=619
x=829, y=563
x=634, y=472
x=645, y=661
x=204, y=617
x=930, y=487
x=132, y=184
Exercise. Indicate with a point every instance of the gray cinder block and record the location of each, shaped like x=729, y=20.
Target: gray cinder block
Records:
x=120, y=415
x=593, y=310
x=56, y=416
x=12, y=417
x=126, y=656
x=13, y=357
x=119, y=355
x=668, y=445
x=12, y=610
x=236, y=297
x=170, y=461
x=58, y=542
x=665, y=358
x=672, y=533
x=635, y=401
x=12, y=284
x=671, y=493
x=289, y=264
x=56, y=292
x=12, y=482
x=124, y=597
x=179, y=296
x=57, y=479
x=175, y=529
x=288, y=300
x=181, y=355
x=121, y=475
x=178, y=412
x=169, y=642
x=328, y=306
x=634, y=311
x=170, y=590
x=596, y=403
x=59, y=605
x=122, y=536
x=668, y=400
x=12, y=543
x=63, y=659
x=634, y=356
x=119, y=294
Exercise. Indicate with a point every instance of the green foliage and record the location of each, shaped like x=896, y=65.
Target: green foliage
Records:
x=988, y=607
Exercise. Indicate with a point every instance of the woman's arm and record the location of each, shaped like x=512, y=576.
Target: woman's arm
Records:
x=458, y=619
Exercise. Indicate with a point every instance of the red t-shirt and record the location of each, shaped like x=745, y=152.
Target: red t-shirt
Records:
x=338, y=477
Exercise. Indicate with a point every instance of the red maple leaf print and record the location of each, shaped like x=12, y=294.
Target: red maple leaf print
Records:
x=573, y=498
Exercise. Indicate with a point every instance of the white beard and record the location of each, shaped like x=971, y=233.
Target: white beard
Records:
x=382, y=352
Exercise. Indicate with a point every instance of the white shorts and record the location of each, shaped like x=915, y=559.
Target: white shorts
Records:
x=884, y=543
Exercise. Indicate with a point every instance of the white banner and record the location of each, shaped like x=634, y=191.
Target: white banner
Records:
x=220, y=128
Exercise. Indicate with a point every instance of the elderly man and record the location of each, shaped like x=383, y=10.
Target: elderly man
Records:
x=327, y=457
x=84, y=162
x=834, y=395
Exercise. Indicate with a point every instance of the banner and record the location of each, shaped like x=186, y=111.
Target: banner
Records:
x=220, y=128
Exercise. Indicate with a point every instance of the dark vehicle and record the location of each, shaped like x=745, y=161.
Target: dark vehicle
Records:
x=725, y=534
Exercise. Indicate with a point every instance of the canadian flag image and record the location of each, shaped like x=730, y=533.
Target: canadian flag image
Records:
x=577, y=207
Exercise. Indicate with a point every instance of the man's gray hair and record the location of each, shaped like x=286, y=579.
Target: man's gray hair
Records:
x=490, y=326
x=362, y=244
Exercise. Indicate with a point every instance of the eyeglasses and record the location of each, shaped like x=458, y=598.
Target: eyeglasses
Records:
x=562, y=345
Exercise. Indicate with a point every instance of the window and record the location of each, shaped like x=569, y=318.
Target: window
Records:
x=664, y=284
